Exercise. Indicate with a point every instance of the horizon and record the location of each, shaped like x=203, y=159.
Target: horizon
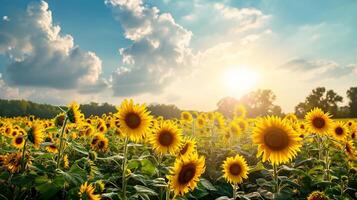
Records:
x=187, y=53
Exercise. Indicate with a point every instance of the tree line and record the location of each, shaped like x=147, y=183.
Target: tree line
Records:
x=262, y=102
x=13, y=108
x=257, y=103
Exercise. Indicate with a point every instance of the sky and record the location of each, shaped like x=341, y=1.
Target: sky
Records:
x=188, y=53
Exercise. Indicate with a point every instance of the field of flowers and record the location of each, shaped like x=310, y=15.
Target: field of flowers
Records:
x=131, y=154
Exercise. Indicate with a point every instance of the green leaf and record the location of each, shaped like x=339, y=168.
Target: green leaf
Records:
x=133, y=164
x=47, y=190
x=147, y=167
x=208, y=185
x=258, y=167
x=145, y=190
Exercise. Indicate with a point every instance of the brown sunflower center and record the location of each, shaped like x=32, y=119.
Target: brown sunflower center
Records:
x=166, y=138
x=19, y=140
x=101, y=144
x=184, y=149
x=94, y=141
x=235, y=169
x=318, y=122
x=101, y=129
x=132, y=120
x=339, y=131
x=353, y=135
x=187, y=173
x=276, y=139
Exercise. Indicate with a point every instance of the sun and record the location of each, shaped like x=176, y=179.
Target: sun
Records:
x=239, y=79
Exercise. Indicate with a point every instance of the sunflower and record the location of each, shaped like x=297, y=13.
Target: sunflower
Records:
x=300, y=128
x=134, y=119
x=166, y=138
x=219, y=120
x=350, y=123
x=353, y=134
x=188, y=147
x=291, y=117
x=186, y=173
x=234, y=128
x=12, y=162
x=65, y=161
x=186, y=117
x=35, y=135
x=239, y=111
x=14, y=133
x=200, y=122
x=73, y=113
x=59, y=120
x=339, y=130
x=18, y=141
x=235, y=169
x=317, y=195
x=99, y=143
x=242, y=123
x=276, y=140
x=350, y=150
x=87, y=192
x=8, y=130
x=318, y=121
x=210, y=116
x=52, y=148
x=101, y=126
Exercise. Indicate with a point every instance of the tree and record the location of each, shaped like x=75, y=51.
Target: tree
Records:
x=226, y=106
x=352, y=95
x=327, y=100
x=257, y=103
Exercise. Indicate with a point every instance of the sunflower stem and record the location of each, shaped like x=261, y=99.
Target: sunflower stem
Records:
x=235, y=188
x=23, y=156
x=275, y=175
x=327, y=164
x=167, y=197
x=61, y=142
x=159, y=161
x=124, y=166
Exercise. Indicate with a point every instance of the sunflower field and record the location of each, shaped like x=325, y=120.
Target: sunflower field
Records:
x=131, y=154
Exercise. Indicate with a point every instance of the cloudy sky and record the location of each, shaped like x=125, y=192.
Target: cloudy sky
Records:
x=189, y=53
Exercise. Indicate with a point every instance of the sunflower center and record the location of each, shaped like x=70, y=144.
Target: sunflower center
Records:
x=184, y=149
x=19, y=140
x=166, y=138
x=339, y=131
x=318, y=122
x=187, y=173
x=94, y=141
x=276, y=139
x=101, y=144
x=235, y=169
x=132, y=120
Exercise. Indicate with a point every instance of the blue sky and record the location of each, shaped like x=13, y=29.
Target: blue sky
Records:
x=175, y=51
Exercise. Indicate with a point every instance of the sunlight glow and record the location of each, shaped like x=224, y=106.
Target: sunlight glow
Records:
x=238, y=80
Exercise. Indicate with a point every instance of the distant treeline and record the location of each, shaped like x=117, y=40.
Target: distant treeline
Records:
x=13, y=108
x=257, y=103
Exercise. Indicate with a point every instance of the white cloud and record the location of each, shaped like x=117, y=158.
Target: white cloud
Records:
x=7, y=92
x=159, y=52
x=42, y=57
x=320, y=68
